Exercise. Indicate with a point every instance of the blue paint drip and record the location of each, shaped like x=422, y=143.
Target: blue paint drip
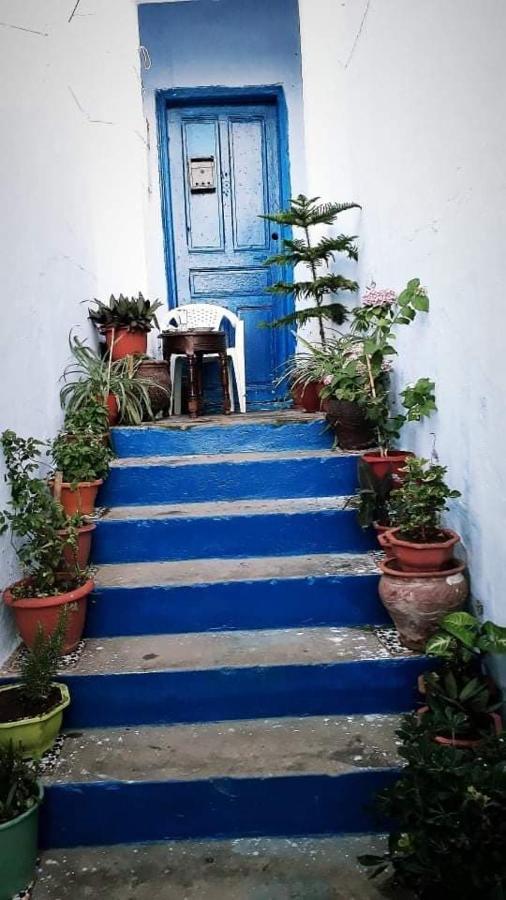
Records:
x=210, y=695
x=166, y=538
x=261, y=479
x=244, y=605
x=118, y=812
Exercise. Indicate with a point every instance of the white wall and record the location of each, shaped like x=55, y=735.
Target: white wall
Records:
x=73, y=186
x=405, y=113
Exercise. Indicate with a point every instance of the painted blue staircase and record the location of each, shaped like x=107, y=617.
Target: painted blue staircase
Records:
x=231, y=625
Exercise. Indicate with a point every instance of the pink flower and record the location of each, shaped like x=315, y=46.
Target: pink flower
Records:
x=327, y=379
x=372, y=297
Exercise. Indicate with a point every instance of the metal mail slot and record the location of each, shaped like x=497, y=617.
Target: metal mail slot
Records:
x=202, y=174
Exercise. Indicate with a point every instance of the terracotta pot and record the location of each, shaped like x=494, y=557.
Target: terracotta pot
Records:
x=125, y=342
x=465, y=743
x=79, y=500
x=417, y=601
x=353, y=431
x=159, y=393
x=30, y=611
x=79, y=555
x=307, y=396
x=112, y=409
x=415, y=557
x=391, y=464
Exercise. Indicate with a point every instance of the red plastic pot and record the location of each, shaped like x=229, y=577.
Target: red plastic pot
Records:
x=79, y=500
x=79, y=555
x=123, y=342
x=415, y=557
x=391, y=463
x=29, y=612
x=464, y=743
x=307, y=396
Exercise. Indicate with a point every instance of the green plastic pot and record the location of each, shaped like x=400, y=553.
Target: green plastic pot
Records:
x=39, y=733
x=18, y=851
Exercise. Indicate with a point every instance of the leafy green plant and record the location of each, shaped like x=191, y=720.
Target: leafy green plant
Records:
x=449, y=823
x=360, y=369
x=134, y=313
x=305, y=214
x=84, y=458
x=90, y=377
x=91, y=419
x=374, y=494
x=417, y=505
x=33, y=516
x=39, y=667
x=19, y=789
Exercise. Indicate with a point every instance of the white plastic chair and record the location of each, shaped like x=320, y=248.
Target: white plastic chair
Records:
x=206, y=315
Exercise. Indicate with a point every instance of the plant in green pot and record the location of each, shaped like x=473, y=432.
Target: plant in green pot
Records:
x=31, y=710
x=125, y=322
x=40, y=535
x=461, y=701
x=20, y=798
x=418, y=540
x=319, y=285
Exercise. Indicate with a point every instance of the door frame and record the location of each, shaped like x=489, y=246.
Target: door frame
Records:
x=284, y=338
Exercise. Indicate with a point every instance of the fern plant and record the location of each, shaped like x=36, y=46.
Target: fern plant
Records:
x=304, y=214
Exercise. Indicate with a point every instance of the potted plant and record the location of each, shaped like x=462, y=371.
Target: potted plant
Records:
x=20, y=799
x=461, y=701
x=374, y=494
x=41, y=532
x=156, y=373
x=419, y=542
x=90, y=419
x=125, y=322
x=83, y=463
x=359, y=383
x=320, y=283
x=31, y=710
x=116, y=385
x=448, y=827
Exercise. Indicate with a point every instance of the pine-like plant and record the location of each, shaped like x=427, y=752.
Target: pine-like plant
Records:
x=304, y=214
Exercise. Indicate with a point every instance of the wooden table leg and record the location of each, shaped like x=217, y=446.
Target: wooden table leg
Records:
x=200, y=391
x=224, y=383
x=193, y=399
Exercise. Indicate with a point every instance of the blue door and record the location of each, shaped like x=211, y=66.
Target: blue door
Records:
x=224, y=172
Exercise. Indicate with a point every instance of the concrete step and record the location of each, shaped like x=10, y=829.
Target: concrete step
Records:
x=278, y=430
x=246, y=869
x=228, y=778
x=229, y=476
x=169, y=679
x=228, y=529
x=235, y=594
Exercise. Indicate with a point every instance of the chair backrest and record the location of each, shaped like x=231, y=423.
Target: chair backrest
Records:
x=201, y=315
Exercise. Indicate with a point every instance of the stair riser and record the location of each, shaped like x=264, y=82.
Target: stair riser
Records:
x=212, y=695
x=269, y=479
x=151, y=540
x=113, y=813
x=196, y=439
x=280, y=603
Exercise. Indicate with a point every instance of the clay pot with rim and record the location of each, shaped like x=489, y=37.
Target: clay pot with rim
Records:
x=123, y=341
x=78, y=499
x=465, y=743
x=78, y=556
x=157, y=370
x=390, y=463
x=307, y=396
x=417, y=601
x=353, y=430
x=423, y=557
x=30, y=611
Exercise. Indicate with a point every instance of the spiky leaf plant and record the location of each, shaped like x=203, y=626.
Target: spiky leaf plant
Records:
x=304, y=214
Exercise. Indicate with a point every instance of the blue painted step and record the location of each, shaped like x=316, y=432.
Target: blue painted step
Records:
x=276, y=432
x=336, y=600
x=119, y=812
x=228, y=530
x=228, y=477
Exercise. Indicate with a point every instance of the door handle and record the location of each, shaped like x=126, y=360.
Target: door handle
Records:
x=275, y=236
